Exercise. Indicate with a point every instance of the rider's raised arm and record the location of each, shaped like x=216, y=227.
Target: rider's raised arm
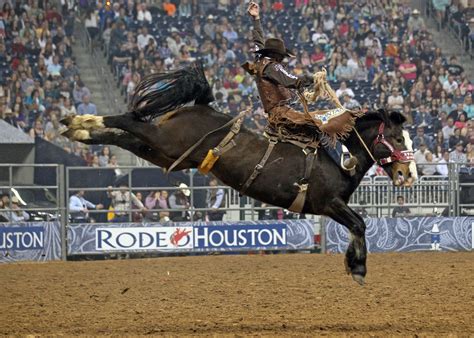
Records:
x=279, y=74
x=257, y=32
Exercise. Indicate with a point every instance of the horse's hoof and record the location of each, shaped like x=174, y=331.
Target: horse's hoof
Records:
x=359, y=279
x=67, y=120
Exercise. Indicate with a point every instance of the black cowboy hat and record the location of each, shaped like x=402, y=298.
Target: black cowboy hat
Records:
x=274, y=45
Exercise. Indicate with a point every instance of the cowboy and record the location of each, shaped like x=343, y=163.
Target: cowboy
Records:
x=274, y=83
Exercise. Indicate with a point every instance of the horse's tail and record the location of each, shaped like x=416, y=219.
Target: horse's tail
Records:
x=160, y=93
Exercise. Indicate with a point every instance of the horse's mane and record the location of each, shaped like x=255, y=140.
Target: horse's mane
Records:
x=382, y=115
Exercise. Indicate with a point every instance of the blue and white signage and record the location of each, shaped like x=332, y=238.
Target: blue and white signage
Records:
x=21, y=238
x=407, y=234
x=195, y=237
x=240, y=236
x=140, y=238
x=35, y=241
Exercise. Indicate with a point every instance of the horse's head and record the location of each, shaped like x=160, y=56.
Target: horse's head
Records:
x=392, y=148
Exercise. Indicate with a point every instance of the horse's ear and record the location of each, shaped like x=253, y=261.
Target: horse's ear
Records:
x=397, y=118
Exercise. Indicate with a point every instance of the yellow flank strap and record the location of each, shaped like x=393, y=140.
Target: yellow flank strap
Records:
x=208, y=162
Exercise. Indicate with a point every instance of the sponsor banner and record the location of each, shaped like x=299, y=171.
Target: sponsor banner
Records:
x=190, y=237
x=21, y=238
x=141, y=238
x=39, y=241
x=240, y=236
x=407, y=234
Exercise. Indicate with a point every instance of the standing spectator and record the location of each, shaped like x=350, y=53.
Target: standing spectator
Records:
x=86, y=107
x=408, y=69
x=179, y=199
x=79, y=207
x=214, y=201
x=122, y=202
x=415, y=22
x=401, y=210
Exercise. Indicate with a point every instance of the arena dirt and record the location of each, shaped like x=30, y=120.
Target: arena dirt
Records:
x=299, y=294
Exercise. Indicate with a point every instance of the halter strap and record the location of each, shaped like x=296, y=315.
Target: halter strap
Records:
x=395, y=155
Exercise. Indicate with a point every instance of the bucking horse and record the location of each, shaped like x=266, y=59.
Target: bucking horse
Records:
x=170, y=124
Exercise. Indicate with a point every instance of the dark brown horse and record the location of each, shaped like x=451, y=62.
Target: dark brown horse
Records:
x=160, y=137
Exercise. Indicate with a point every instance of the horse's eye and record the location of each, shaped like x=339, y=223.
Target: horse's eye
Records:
x=400, y=139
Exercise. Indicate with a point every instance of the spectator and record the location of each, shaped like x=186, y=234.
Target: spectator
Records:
x=442, y=166
x=401, y=210
x=448, y=129
x=420, y=154
x=79, y=91
x=428, y=167
x=415, y=22
x=86, y=107
x=214, y=201
x=422, y=117
x=395, y=100
x=179, y=199
x=450, y=86
x=79, y=208
x=143, y=14
x=104, y=156
x=169, y=8
x=122, y=202
x=458, y=155
x=16, y=214
x=144, y=38
x=344, y=90
x=456, y=138
x=421, y=138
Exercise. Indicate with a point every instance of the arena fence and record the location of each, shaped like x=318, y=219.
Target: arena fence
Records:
x=46, y=190
x=33, y=216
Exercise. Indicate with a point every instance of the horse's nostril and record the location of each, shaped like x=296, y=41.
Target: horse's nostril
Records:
x=400, y=173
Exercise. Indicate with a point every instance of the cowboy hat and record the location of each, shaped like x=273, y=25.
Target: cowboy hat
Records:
x=274, y=45
x=415, y=12
x=184, y=189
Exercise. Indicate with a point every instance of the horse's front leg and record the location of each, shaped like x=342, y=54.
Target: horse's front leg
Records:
x=356, y=254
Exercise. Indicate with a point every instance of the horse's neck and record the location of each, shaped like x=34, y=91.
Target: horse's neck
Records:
x=355, y=146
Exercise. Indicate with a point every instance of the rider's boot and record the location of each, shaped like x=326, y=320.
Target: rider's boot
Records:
x=348, y=161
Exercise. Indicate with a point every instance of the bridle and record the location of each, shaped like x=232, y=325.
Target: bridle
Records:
x=402, y=156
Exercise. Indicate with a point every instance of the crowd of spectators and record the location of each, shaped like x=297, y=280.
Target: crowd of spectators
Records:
x=378, y=54
x=39, y=80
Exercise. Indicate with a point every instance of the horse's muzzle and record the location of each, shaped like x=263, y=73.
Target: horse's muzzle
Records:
x=402, y=174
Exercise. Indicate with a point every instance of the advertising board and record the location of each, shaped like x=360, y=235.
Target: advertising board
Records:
x=194, y=237
x=30, y=242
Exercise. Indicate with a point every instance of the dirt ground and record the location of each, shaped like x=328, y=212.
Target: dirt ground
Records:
x=270, y=295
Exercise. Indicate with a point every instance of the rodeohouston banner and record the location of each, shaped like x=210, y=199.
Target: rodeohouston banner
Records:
x=190, y=237
x=407, y=234
x=39, y=241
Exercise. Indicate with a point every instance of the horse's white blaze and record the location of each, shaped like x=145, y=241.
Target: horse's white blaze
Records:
x=409, y=146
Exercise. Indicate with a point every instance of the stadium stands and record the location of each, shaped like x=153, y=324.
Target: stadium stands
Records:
x=381, y=50
x=39, y=81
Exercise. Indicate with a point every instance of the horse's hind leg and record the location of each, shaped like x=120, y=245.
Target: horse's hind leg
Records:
x=356, y=254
